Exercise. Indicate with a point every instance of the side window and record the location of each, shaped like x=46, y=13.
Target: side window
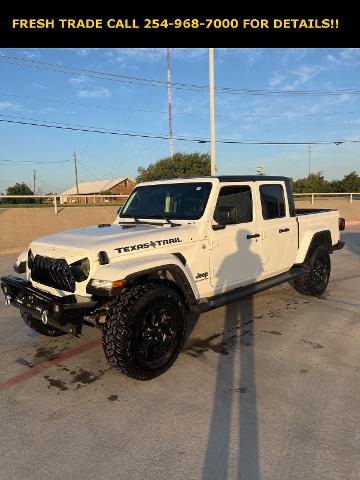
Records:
x=272, y=201
x=234, y=205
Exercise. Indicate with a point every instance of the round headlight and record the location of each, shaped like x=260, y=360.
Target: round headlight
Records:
x=80, y=269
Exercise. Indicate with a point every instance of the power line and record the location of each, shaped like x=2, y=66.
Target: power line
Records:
x=163, y=112
x=92, y=173
x=32, y=162
x=69, y=70
x=40, y=64
x=53, y=122
x=81, y=104
x=200, y=140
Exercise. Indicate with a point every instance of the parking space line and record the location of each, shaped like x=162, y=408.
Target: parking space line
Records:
x=12, y=381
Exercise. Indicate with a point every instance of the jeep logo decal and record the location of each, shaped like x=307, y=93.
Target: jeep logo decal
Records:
x=201, y=276
x=141, y=246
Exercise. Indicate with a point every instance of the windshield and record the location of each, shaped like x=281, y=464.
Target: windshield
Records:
x=183, y=201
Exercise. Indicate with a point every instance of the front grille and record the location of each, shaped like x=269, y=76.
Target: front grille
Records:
x=53, y=272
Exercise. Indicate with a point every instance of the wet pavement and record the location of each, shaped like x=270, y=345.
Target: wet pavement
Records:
x=268, y=388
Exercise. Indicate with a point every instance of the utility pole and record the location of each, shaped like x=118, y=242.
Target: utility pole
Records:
x=34, y=182
x=309, y=160
x=212, y=112
x=76, y=173
x=171, y=147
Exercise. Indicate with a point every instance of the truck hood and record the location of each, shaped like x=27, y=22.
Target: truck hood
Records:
x=114, y=239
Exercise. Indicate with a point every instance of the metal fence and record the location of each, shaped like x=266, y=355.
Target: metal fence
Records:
x=63, y=200
x=114, y=200
x=311, y=196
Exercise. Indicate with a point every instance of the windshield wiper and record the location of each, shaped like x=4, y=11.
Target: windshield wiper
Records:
x=168, y=220
x=159, y=215
x=134, y=217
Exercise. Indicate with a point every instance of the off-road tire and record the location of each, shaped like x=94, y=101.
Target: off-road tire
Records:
x=124, y=326
x=312, y=282
x=39, y=326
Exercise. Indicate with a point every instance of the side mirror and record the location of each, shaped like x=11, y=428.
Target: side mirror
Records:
x=224, y=215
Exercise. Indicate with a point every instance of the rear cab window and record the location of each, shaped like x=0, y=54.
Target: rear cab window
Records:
x=272, y=198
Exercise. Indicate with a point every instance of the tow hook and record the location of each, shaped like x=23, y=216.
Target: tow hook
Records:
x=45, y=317
x=8, y=300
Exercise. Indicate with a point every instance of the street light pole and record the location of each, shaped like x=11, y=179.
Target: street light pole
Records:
x=212, y=112
x=76, y=173
x=34, y=182
x=171, y=147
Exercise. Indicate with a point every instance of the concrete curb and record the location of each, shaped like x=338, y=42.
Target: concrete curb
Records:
x=352, y=222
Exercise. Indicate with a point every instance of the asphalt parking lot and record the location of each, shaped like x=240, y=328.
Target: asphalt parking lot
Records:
x=267, y=389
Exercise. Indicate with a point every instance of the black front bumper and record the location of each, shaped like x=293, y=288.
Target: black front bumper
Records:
x=63, y=313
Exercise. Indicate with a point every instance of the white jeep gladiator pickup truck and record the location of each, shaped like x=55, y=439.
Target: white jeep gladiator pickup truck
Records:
x=180, y=244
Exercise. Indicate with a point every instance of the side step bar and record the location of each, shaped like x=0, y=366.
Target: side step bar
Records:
x=239, y=293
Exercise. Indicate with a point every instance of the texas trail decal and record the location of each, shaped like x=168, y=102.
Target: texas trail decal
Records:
x=153, y=243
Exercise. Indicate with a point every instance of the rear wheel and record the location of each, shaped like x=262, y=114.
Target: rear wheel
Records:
x=39, y=326
x=317, y=272
x=145, y=331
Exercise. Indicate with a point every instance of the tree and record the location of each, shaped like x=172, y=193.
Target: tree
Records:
x=180, y=165
x=315, y=182
x=19, y=189
x=350, y=183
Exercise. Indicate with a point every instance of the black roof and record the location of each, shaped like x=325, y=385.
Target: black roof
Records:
x=231, y=178
x=250, y=178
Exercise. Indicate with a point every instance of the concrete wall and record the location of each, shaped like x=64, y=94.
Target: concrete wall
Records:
x=19, y=226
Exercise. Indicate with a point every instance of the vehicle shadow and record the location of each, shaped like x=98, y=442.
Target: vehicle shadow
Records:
x=234, y=410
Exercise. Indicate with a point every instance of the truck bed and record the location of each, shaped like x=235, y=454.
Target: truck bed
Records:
x=317, y=219
x=307, y=211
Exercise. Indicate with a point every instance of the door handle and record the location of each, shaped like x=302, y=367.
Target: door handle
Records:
x=282, y=230
x=253, y=235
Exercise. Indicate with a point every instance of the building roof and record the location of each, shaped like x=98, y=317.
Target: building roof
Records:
x=99, y=186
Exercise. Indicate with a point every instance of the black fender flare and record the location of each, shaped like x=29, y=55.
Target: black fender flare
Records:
x=179, y=276
x=321, y=238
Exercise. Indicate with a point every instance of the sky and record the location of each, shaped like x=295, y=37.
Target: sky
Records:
x=32, y=90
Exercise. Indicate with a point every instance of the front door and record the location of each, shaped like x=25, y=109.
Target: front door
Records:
x=278, y=229
x=234, y=238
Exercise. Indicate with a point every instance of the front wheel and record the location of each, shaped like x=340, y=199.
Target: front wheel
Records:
x=145, y=331
x=317, y=273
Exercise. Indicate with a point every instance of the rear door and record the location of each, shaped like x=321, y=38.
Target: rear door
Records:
x=278, y=228
x=234, y=237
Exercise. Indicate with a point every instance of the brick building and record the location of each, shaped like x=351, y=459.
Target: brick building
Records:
x=92, y=190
